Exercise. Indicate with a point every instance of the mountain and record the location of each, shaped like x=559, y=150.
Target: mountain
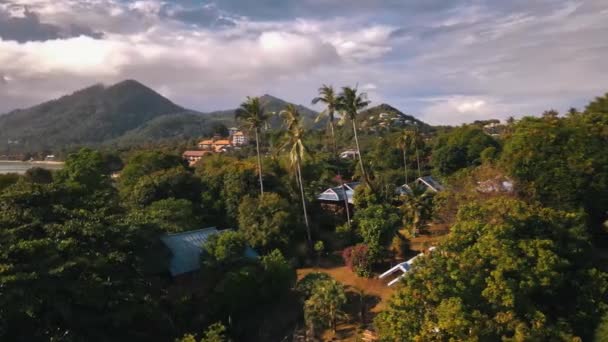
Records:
x=385, y=116
x=90, y=116
x=273, y=104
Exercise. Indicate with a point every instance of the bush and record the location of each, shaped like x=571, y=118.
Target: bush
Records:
x=357, y=258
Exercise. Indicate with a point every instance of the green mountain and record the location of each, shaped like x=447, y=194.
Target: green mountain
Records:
x=385, y=116
x=87, y=117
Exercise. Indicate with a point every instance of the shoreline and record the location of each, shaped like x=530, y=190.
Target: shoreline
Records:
x=41, y=162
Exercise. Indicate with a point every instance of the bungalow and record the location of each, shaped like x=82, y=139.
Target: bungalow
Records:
x=404, y=268
x=206, y=144
x=337, y=194
x=194, y=156
x=349, y=154
x=187, y=248
x=221, y=145
x=430, y=183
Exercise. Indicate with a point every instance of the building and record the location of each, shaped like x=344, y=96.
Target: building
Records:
x=349, y=154
x=187, y=248
x=206, y=144
x=404, y=268
x=232, y=130
x=430, y=183
x=50, y=157
x=221, y=145
x=194, y=156
x=239, y=139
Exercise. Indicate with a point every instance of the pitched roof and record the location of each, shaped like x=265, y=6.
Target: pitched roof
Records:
x=430, y=183
x=195, y=153
x=222, y=142
x=336, y=194
x=206, y=142
x=186, y=249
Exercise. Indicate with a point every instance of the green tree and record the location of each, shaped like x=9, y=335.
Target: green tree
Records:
x=507, y=271
x=252, y=116
x=417, y=208
x=601, y=332
x=295, y=133
x=280, y=276
x=39, y=175
x=377, y=224
x=350, y=103
x=171, y=215
x=224, y=248
x=143, y=164
x=324, y=306
x=460, y=148
x=84, y=169
x=216, y=332
x=177, y=183
x=265, y=221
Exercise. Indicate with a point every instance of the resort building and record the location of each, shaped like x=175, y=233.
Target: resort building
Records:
x=239, y=139
x=194, y=156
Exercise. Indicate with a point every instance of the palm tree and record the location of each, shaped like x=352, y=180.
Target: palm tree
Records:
x=417, y=141
x=328, y=96
x=253, y=118
x=417, y=207
x=350, y=103
x=404, y=142
x=295, y=133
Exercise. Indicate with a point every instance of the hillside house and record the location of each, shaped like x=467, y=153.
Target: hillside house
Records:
x=194, y=156
x=206, y=144
x=221, y=145
x=430, y=184
x=187, y=248
x=349, y=154
x=239, y=139
x=335, y=199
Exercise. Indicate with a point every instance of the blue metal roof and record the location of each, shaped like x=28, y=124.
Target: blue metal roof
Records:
x=186, y=249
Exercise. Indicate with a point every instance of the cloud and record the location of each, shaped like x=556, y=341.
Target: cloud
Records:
x=449, y=62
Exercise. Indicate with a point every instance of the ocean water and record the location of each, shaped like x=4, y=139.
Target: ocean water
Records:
x=21, y=167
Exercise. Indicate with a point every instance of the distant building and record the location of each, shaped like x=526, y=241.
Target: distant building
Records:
x=50, y=157
x=239, y=139
x=232, y=131
x=194, y=156
x=206, y=144
x=430, y=183
x=221, y=145
x=187, y=249
x=348, y=154
x=339, y=193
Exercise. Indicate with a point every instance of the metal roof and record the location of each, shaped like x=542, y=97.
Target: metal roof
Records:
x=431, y=183
x=336, y=194
x=186, y=249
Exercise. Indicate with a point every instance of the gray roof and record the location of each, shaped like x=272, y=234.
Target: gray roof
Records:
x=186, y=249
x=336, y=194
x=430, y=183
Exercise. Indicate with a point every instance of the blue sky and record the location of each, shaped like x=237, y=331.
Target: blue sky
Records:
x=446, y=62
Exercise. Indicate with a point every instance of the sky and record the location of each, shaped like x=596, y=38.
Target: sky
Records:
x=445, y=62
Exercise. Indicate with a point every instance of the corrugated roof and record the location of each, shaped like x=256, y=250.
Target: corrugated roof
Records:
x=186, y=249
x=336, y=194
x=431, y=183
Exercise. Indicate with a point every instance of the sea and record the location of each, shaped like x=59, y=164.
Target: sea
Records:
x=20, y=167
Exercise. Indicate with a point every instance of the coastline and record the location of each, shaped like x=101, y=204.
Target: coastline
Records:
x=40, y=162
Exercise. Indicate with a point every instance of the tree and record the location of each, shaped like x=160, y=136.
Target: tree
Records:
x=328, y=97
x=279, y=275
x=319, y=248
x=295, y=132
x=215, y=333
x=177, y=183
x=417, y=207
x=265, y=221
x=171, y=215
x=252, y=116
x=143, y=164
x=507, y=271
x=224, y=248
x=84, y=169
x=324, y=306
x=359, y=259
x=403, y=143
x=350, y=103
x=377, y=224
x=460, y=148
x=39, y=175
x=601, y=332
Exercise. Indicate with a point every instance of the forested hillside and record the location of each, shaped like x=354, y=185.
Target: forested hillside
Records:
x=486, y=236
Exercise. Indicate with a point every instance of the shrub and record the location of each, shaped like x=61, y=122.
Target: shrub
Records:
x=357, y=258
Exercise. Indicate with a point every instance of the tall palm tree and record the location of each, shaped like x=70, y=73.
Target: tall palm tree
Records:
x=417, y=141
x=350, y=103
x=328, y=96
x=295, y=133
x=404, y=142
x=252, y=116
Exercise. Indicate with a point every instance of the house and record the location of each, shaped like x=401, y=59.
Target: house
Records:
x=206, y=144
x=430, y=183
x=194, y=156
x=232, y=131
x=187, y=248
x=50, y=157
x=337, y=194
x=221, y=145
x=349, y=154
x=403, y=267
x=239, y=139
x=403, y=190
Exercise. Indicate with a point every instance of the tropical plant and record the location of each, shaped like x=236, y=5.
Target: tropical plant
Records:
x=324, y=306
x=404, y=142
x=295, y=133
x=252, y=116
x=417, y=207
x=328, y=97
x=350, y=103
